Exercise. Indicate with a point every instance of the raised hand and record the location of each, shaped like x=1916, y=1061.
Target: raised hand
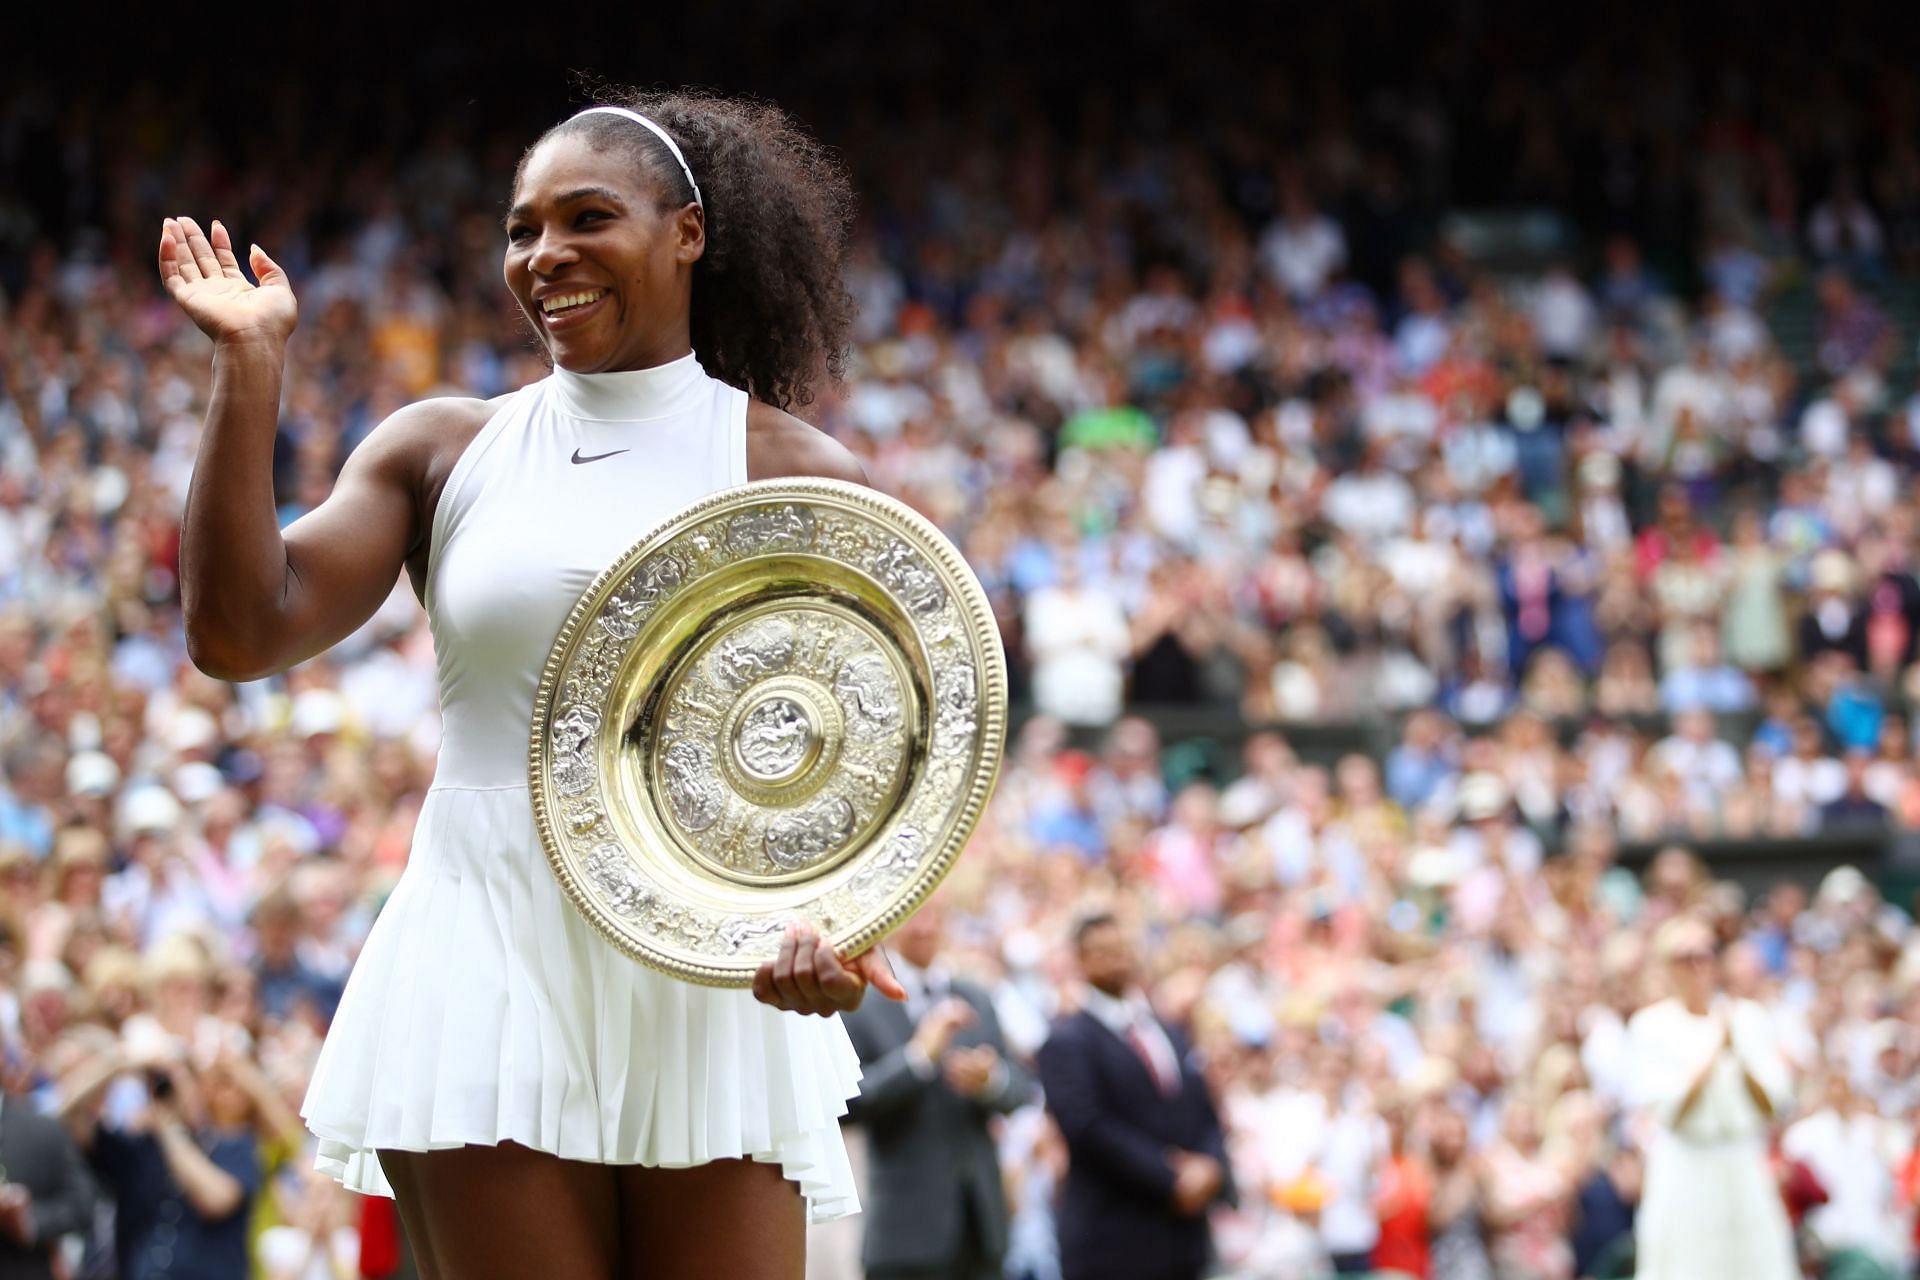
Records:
x=808, y=977
x=204, y=277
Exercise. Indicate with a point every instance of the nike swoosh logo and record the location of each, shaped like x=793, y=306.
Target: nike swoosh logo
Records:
x=595, y=457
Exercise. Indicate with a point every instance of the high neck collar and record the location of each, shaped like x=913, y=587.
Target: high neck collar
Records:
x=629, y=394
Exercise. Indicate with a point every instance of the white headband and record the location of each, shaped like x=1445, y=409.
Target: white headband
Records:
x=657, y=132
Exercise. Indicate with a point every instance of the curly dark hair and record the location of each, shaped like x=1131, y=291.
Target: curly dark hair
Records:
x=769, y=307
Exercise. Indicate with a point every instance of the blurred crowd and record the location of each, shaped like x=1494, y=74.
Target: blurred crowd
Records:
x=1228, y=410
x=1416, y=1025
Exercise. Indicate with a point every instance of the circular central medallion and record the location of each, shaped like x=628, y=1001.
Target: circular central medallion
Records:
x=778, y=742
x=774, y=740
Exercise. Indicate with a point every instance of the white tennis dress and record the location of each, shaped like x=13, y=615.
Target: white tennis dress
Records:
x=483, y=1008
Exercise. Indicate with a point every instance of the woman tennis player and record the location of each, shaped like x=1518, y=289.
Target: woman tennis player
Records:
x=540, y=1104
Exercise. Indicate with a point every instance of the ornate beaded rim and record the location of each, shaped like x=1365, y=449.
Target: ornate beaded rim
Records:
x=978, y=633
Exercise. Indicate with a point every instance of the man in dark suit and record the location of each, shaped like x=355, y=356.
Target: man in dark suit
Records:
x=936, y=1069
x=45, y=1189
x=1146, y=1157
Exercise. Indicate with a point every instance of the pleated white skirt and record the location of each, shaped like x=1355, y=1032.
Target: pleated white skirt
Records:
x=483, y=1009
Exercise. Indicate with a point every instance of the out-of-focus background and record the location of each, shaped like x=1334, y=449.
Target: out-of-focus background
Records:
x=1445, y=475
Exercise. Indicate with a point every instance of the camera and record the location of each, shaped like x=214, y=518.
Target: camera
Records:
x=160, y=1086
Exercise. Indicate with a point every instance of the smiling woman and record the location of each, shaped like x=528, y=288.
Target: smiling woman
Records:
x=766, y=309
x=538, y=1103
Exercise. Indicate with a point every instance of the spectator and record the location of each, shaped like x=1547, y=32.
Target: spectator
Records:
x=1353, y=1147
x=1846, y=1144
x=1303, y=248
x=1146, y=1156
x=1079, y=639
x=1709, y=1079
x=1701, y=762
x=1371, y=501
x=1604, y=1212
x=1754, y=634
x=1528, y=1202
x=935, y=1071
x=1853, y=808
x=1403, y=1204
x=1854, y=710
x=1626, y=686
x=1457, y=1212
x=1705, y=682
x=1174, y=638
x=1627, y=289
x=47, y=1194
x=1854, y=332
x=286, y=985
x=1564, y=314
x=1809, y=779
x=1738, y=273
x=182, y=1176
x=1843, y=231
x=1422, y=764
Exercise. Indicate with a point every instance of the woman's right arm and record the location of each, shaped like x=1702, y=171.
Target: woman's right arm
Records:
x=256, y=601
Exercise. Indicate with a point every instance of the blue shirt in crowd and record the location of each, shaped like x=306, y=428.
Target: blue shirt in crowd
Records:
x=157, y=1234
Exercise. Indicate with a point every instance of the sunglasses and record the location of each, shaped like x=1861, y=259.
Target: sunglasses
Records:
x=1698, y=956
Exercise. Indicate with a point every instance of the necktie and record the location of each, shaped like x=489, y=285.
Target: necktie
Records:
x=1138, y=1040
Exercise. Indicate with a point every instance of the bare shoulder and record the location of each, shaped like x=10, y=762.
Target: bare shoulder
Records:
x=418, y=446
x=779, y=444
x=415, y=448
x=429, y=433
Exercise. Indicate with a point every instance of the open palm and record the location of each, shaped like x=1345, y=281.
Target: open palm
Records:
x=204, y=277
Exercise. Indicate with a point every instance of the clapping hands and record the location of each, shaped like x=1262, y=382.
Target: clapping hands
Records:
x=969, y=1072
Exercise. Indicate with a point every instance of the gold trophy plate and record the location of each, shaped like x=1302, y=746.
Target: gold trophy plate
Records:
x=787, y=703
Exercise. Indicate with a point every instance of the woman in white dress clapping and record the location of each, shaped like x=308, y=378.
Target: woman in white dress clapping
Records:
x=1709, y=1081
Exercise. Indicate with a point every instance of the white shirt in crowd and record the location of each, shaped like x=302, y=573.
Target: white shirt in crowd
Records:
x=1355, y=1144
x=1853, y=1156
x=1300, y=253
x=1563, y=314
x=1372, y=505
x=1079, y=640
x=1170, y=492
x=1131, y=1018
x=1705, y=768
x=1808, y=783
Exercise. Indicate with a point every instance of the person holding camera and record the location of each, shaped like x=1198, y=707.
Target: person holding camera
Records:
x=183, y=1174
